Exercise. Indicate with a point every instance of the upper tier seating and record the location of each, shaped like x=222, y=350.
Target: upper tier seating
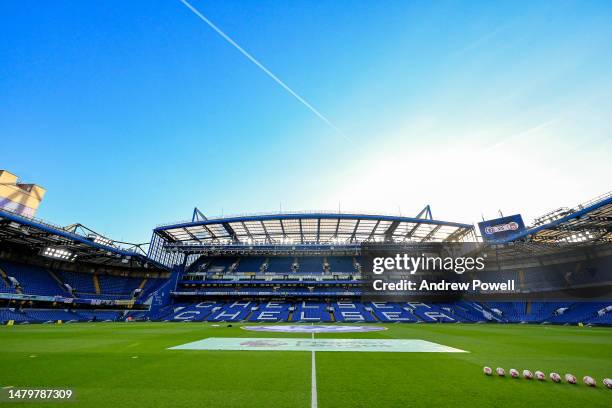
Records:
x=33, y=279
x=250, y=264
x=80, y=282
x=118, y=285
x=6, y=287
x=341, y=264
x=280, y=264
x=310, y=264
x=220, y=265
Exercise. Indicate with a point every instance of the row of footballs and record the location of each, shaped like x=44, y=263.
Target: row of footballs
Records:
x=590, y=381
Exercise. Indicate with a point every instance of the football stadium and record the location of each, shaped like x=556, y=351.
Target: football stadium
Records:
x=269, y=310
x=305, y=204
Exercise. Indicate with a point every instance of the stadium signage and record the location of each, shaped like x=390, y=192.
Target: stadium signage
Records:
x=511, y=226
x=501, y=228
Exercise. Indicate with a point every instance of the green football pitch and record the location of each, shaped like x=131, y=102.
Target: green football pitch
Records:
x=129, y=365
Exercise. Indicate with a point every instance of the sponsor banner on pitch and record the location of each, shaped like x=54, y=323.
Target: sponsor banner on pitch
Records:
x=289, y=344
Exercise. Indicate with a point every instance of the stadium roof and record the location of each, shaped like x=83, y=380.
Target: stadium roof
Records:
x=81, y=243
x=587, y=222
x=313, y=228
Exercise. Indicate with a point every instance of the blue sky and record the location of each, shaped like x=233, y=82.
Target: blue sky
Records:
x=132, y=113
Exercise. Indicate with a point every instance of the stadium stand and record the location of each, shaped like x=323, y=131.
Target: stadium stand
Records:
x=315, y=312
x=250, y=264
x=119, y=286
x=311, y=264
x=307, y=311
x=98, y=315
x=583, y=312
x=82, y=283
x=280, y=264
x=40, y=281
x=271, y=312
x=232, y=312
x=220, y=265
x=271, y=268
x=351, y=312
x=341, y=264
x=12, y=314
x=5, y=285
x=33, y=280
x=43, y=315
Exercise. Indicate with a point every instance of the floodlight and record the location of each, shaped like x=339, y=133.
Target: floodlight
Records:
x=99, y=239
x=60, y=253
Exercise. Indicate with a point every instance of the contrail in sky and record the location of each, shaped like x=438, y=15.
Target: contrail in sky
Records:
x=264, y=69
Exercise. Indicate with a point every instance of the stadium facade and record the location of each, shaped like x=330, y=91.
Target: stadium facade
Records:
x=286, y=267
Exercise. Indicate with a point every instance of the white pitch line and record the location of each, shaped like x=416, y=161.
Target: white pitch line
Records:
x=313, y=387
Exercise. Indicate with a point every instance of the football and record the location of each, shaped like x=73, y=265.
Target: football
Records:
x=527, y=374
x=555, y=377
x=607, y=382
x=500, y=371
x=590, y=381
x=487, y=370
x=514, y=373
x=570, y=378
x=540, y=375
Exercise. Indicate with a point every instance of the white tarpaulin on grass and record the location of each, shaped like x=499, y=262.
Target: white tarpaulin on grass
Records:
x=288, y=344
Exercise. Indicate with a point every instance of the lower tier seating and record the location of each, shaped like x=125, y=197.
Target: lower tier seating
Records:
x=338, y=311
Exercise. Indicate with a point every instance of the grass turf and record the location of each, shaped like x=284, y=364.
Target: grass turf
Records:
x=127, y=365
